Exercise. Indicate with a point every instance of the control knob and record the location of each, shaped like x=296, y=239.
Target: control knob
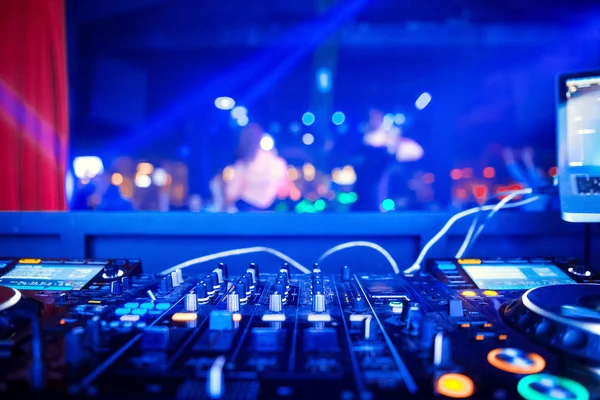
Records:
x=369, y=328
x=233, y=302
x=319, y=303
x=191, y=302
x=359, y=304
x=275, y=302
x=126, y=282
x=345, y=273
x=116, y=288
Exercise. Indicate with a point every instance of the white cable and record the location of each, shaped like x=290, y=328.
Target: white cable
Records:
x=359, y=243
x=496, y=208
x=468, y=237
x=417, y=265
x=237, y=252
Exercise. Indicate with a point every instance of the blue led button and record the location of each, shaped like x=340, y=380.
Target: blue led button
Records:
x=131, y=305
x=122, y=311
x=147, y=306
x=163, y=306
x=139, y=311
x=446, y=266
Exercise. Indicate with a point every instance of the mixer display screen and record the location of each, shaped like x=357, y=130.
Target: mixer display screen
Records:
x=49, y=277
x=515, y=276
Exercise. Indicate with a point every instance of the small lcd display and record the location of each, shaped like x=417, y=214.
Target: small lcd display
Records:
x=49, y=277
x=515, y=276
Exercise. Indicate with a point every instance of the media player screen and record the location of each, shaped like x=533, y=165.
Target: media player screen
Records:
x=49, y=277
x=583, y=121
x=515, y=276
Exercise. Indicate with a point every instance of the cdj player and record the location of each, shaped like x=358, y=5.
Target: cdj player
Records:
x=470, y=328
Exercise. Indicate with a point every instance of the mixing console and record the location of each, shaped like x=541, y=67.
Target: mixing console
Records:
x=489, y=329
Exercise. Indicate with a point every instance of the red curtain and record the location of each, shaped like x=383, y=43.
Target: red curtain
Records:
x=33, y=105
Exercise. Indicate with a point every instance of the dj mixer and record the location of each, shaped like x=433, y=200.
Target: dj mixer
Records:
x=485, y=329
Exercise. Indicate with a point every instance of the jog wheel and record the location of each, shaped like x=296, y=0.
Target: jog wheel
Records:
x=563, y=317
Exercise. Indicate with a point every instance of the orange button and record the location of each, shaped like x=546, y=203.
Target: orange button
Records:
x=184, y=317
x=236, y=317
x=475, y=261
x=516, y=361
x=456, y=386
x=30, y=261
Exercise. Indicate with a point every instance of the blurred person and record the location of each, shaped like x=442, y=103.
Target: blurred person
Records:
x=258, y=175
x=383, y=148
x=112, y=200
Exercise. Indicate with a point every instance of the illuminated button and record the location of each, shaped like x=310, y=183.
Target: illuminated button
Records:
x=469, y=261
x=456, y=386
x=140, y=325
x=469, y=293
x=114, y=324
x=184, y=317
x=131, y=305
x=94, y=302
x=516, y=361
x=147, y=306
x=122, y=311
x=549, y=387
x=465, y=325
x=490, y=293
x=236, y=317
x=502, y=337
x=2, y=265
x=446, y=267
x=163, y=306
x=139, y=311
x=130, y=318
x=30, y=261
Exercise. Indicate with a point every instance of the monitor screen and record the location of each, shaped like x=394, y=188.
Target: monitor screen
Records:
x=579, y=146
x=49, y=276
x=515, y=276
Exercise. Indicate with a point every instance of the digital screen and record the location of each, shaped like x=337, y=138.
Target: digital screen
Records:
x=583, y=121
x=49, y=277
x=516, y=276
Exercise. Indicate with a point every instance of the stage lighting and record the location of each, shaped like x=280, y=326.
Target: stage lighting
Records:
x=267, y=143
x=308, y=118
x=87, y=167
x=160, y=177
x=308, y=139
x=238, y=112
x=142, y=181
x=423, y=101
x=399, y=119
x=242, y=121
x=224, y=103
x=338, y=118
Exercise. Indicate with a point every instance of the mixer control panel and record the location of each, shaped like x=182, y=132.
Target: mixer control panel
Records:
x=115, y=332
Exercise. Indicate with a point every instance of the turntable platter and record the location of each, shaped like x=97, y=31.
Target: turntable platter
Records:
x=564, y=317
x=8, y=297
